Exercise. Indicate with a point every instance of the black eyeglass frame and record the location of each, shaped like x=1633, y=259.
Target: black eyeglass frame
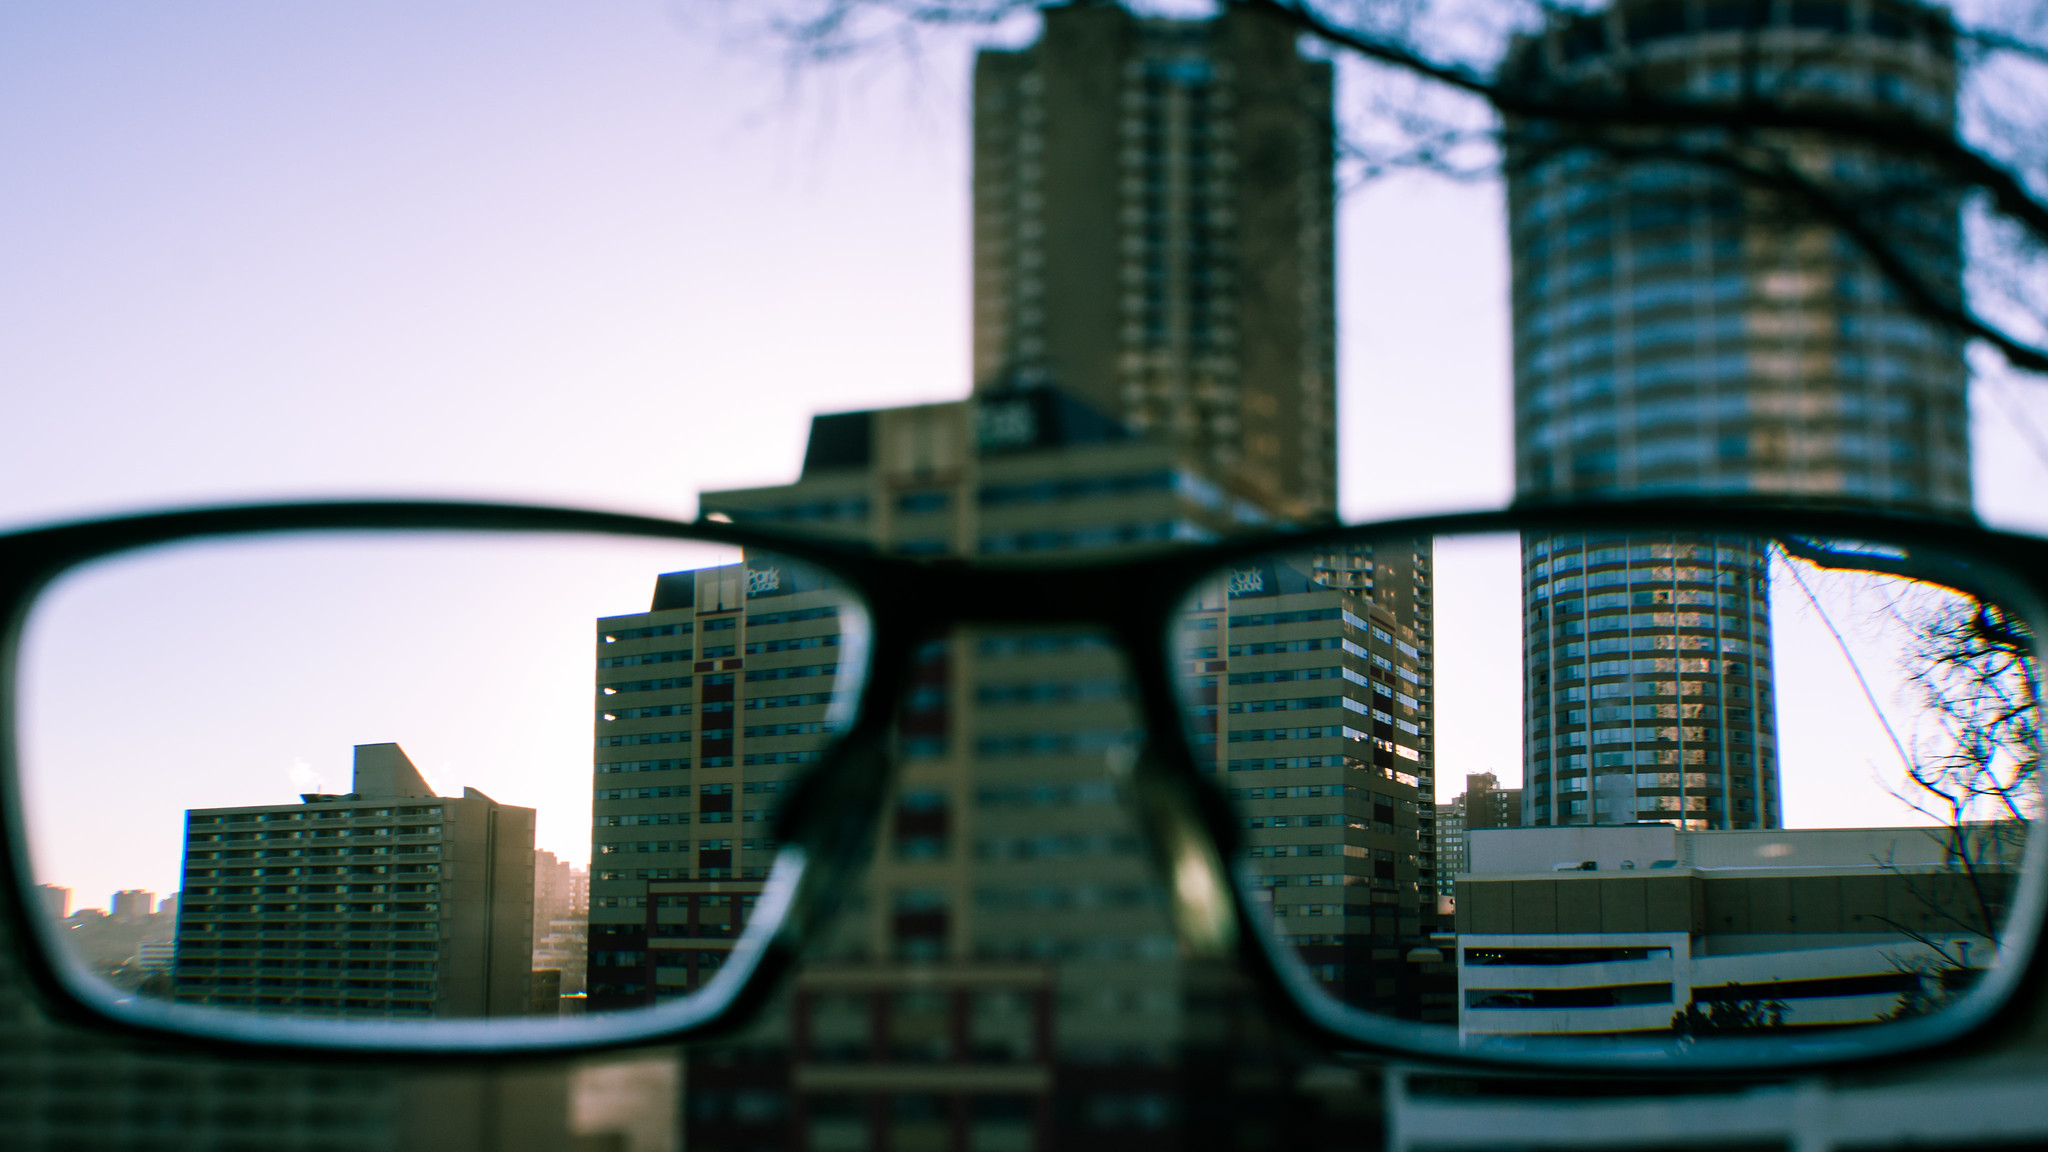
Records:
x=828, y=823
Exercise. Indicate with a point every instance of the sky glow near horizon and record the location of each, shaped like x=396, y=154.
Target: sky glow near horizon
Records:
x=606, y=255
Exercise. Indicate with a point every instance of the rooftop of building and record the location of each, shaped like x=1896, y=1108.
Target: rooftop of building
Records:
x=1026, y=448
x=1574, y=851
x=383, y=772
x=1006, y=420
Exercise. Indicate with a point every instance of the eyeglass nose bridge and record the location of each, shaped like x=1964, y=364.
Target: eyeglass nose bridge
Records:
x=933, y=606
x=929, y=599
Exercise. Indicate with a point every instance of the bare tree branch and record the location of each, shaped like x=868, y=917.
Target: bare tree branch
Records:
x=1620, y=126
x=1468, y=106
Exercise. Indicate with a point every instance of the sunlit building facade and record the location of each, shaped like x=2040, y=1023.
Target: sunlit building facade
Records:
x=1317, y=679
x=706, y=706
x=1679, y=332
x=561, y=921
x=1650, y=682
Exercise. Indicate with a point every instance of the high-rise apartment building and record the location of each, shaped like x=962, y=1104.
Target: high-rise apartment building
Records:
x=1650, y=682
x=1451, y=846
x=1483, y=804
x=1153, y=233
x=720, y=693
x=1154, y=361
x=707, y=705
x=1679, y=332
x=1321, y=677
x=1014, y=935
x=386, y=901
x=1488, y=805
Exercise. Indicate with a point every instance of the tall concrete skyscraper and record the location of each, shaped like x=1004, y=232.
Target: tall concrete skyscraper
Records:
x=1679, y=332
x=1153, y=232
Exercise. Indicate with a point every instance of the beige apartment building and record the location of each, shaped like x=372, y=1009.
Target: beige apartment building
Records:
x=1154, y=232
x=387, y=901
x=1013, y=919
x=1154, y=363
x=713, y=699
x=706, y=706
x=1319, y=672
x=1015, y=945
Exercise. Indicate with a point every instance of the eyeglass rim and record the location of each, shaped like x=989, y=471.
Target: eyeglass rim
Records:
x=2014, y=571
x=899, y=587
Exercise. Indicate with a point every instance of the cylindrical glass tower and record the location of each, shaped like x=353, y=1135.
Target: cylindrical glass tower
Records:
x=1679, y=331
x=1649, y=681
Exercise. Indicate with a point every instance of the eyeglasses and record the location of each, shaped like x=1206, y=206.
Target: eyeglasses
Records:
x=1742, y=784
